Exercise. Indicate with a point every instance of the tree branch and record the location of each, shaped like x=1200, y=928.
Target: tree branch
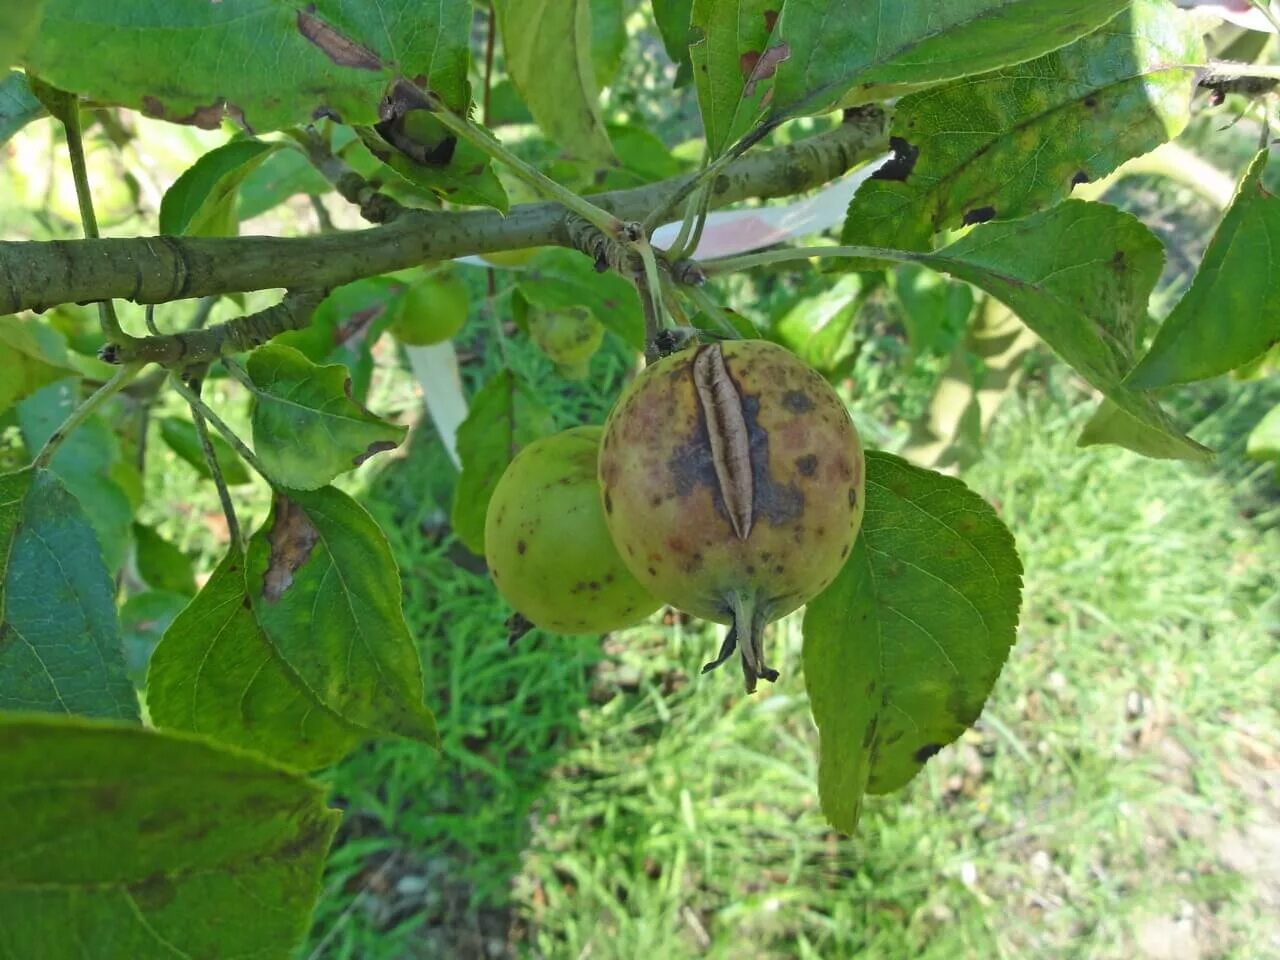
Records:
x=37, y=275
x=192, y=347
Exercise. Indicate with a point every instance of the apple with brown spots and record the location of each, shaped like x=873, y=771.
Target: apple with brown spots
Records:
x=547, y=546
x=732, y=482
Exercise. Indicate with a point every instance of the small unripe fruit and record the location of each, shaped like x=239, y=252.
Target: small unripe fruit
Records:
x=569, y=338
x=547, y=545
x=732, y=482
x=432, y=310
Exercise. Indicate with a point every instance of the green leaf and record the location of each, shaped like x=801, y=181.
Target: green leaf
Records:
x=673, y=18
x=326, y=592
x=18, y=22
x=1231, y=314
x=202, y=202
x=504, y=416
x=733, y=59
x=306, y=428
x=1264, y=441
x=908, y=43
x=269, y=63
x=548, y=54
x=86, y=463
x=147, y=845
x=903, y=649
x=817, y=328
x=60, y=645
x=162, y=565
x=18, y=105
x=608, y=38
x=935, y=311
x=216, y=672
x=1111, y=424
x=1079, y=275
x=1070, y=117
x=283, y=174
x=182, y=439
x=558, y=278
x=28, y=363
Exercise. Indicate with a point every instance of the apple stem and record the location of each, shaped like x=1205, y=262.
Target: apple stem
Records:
x=748, y=627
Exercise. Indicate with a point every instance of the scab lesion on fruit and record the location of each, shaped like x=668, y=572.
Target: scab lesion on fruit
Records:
x=727, y=434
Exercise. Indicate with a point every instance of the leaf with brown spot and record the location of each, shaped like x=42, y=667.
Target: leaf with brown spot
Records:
x=136, y=843
x=734, y=60
x=1015, y=140
x=341, y=49
x=306, y=428
x=275, y=64
x=326, y=592
x=215, y=671
x=1080, y=275
x=901, y=651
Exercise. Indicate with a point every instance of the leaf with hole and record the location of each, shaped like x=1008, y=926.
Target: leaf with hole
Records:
x=1079, y=275
x=557, y=279
x=306, y=428
x=181, y=437
x=504, y=416
x=548, y=53
x=217, y=673
x=202, y=202
x=874, y=48
x=903, y=649
x=105, y=810
x=60, y=648
x=1069, y=117
x=1231, y=314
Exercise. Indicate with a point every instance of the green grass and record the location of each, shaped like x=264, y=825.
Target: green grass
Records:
x=614, y=803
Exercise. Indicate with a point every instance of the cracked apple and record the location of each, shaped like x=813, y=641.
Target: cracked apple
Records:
x=732, y=482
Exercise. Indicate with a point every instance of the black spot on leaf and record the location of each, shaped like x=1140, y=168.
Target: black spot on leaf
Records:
x=979, y=215
x=900, y=165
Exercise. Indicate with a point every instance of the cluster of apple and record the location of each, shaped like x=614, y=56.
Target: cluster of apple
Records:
x=727, y=481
